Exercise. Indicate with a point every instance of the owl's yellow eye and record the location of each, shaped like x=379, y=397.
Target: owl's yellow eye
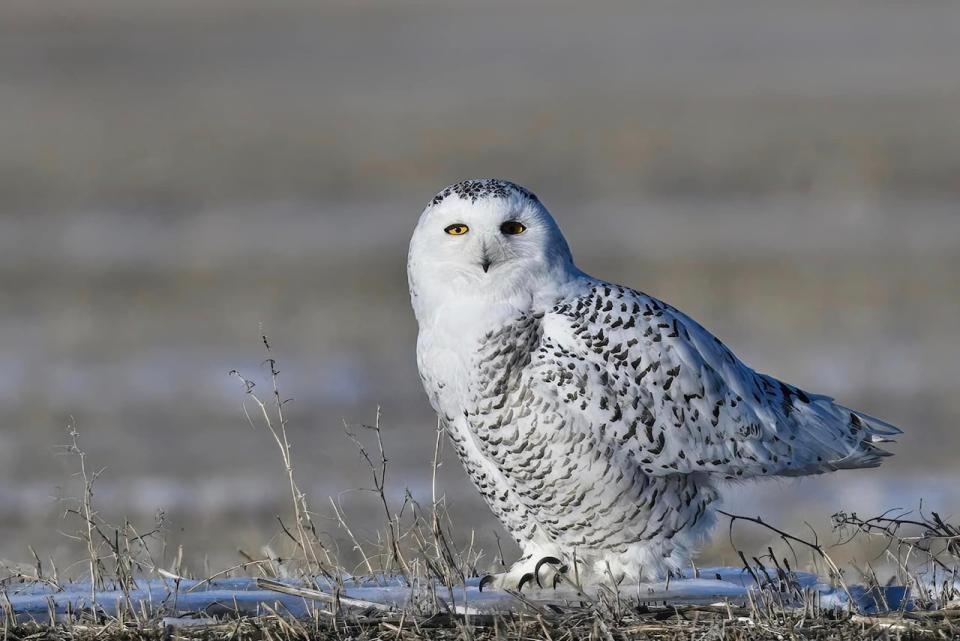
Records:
x=512, y=228
x=456, y=229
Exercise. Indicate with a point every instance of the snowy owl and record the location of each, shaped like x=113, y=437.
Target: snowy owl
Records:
x=598, y=422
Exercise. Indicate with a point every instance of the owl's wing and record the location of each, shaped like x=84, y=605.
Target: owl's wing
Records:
x=651, y=381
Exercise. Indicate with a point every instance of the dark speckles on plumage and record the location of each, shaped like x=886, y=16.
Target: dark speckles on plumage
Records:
x=474, y=190
x=647, y=417
x=617, y=413
x=595, y=392
x=661, y=442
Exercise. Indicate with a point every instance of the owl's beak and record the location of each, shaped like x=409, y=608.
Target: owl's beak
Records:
x=485, y=260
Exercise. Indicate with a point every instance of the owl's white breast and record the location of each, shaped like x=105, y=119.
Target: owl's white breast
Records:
x=453, y=327
x=447, y=344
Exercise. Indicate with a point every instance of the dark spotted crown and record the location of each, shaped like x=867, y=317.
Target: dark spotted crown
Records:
x=474, y=190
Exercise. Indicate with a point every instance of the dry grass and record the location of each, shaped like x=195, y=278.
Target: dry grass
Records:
x=689, y=622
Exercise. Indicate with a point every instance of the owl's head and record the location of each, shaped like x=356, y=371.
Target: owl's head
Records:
x=486, y=238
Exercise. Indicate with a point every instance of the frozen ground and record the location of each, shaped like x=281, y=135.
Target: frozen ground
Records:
x=246, y=596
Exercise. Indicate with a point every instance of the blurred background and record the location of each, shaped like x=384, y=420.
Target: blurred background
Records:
x=174, y=174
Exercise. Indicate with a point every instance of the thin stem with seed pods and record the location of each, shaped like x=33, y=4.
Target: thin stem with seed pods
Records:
x=96, y=579
x=379, y=488
x=277, y=426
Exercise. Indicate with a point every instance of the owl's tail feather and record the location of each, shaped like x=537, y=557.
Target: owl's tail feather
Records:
x=833, y=437
x=872, y=431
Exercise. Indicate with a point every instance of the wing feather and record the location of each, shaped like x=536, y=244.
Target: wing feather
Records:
x=655, y=383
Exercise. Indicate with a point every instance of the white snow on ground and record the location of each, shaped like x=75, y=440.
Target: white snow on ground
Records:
x=715, y=585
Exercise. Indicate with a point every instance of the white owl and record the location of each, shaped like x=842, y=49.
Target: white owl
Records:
x=597, y=421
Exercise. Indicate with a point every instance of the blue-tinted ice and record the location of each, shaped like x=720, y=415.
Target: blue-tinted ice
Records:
x=230, y=596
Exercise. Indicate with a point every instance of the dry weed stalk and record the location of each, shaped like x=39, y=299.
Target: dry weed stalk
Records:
x=783, y=573
x=307, y=538
x=87, y=513
x=924, y=547
x=424, y=537
x=124, y=546
x=378, y=470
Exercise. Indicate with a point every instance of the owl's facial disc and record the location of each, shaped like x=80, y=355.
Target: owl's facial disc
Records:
x=486, y=238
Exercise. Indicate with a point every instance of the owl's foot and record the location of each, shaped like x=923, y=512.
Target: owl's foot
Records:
x=557, y=570
x=488, y=579
x=520, y=575
x=506, y=581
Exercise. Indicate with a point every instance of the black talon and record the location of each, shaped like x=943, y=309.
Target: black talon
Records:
x=488, y=578
x=547, y=559
x=557, y=578
x=526, y=578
